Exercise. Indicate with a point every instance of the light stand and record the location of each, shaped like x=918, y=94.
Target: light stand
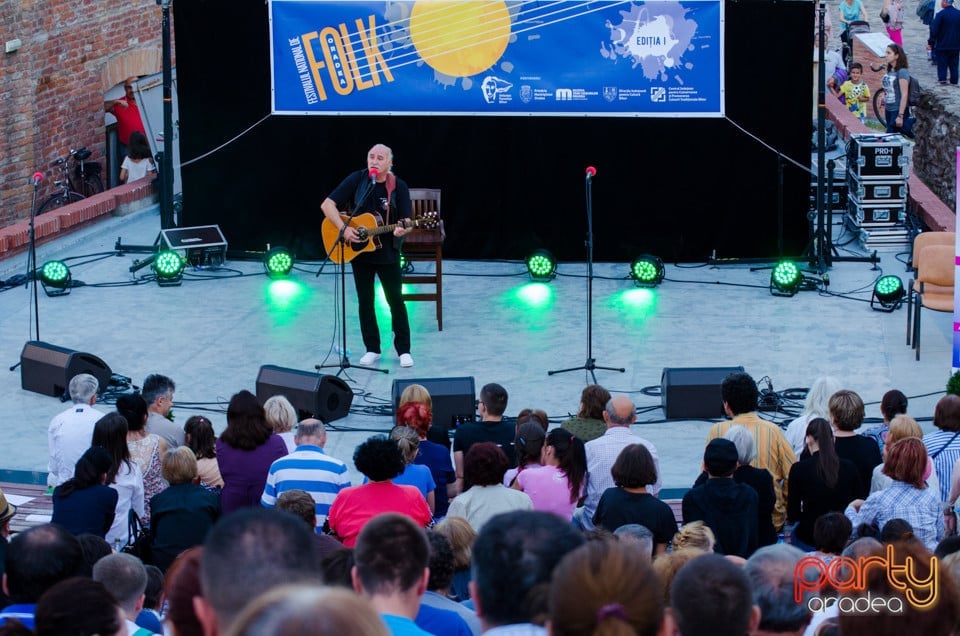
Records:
x=32, y=266
x=591, y=364
x=166, y=159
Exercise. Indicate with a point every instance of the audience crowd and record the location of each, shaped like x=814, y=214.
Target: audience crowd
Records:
x=514, y=529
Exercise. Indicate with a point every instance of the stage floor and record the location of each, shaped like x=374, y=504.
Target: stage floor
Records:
x=212, y=334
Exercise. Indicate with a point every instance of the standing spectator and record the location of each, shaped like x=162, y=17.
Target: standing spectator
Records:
x=158, y=394
x=943, y=445
x=184, y=512
x=605, y=587
x=126, y=578
x=146, y=449
x=728, y=508
x=127, y=113
x=200, y=438
x=588, y=424
x=817, y=404
x=945, y=41
x=307, y=468
x=618, y=414
x=245, y=451
x=908, y=498
x=820, y=483
x=846, y=416
x=892, y=16
x=513, y=562
x=139, y=162
x=892, y=403
x=124, y=476
x=557, y=485
x=896, y=87
x=855, y=92
x=484, y=467
x=37, y=559
x=84, y=504
x=419, y=417
x=851, y=11
x=282, y=417
x=380, y=461
x=69, y=432
x=630, y=503
x=774, y=454
x=491, y=428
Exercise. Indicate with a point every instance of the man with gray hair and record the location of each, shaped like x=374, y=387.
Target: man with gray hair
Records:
x=126, y=578
x=307, y=468
x=157, y=392
x=639, y=534
x=70, y=432
x=771, y=571
x=602, y=452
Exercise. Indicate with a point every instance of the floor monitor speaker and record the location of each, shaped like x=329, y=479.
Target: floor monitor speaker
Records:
x=325, y=397
x=48, y=369
x=694, y=392
x=454, y=399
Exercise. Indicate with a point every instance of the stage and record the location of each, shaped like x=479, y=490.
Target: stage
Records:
x=213, y=333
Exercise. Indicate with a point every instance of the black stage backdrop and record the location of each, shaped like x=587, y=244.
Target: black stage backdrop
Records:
x=679, y=188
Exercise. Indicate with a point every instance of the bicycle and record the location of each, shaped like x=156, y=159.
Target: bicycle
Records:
x=85, y=180
x=879, y=105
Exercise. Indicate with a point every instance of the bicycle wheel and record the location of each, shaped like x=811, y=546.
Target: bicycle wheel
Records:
x=879, y=99
x=92, y=185
x=59, y=200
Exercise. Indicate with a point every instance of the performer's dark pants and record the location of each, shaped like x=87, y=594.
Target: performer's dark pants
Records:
x=389, y=273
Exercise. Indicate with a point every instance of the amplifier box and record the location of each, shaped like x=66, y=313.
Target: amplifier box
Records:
x=837, y=193
x=694, y=392
x=202, y=244
x=882, y=191
x=47, y=369
x=454, y=399
x=877, y=157
x=886, y=213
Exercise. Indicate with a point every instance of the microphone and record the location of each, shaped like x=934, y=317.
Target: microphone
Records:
x=591, y=172
x=373, y=172
x=37, y=178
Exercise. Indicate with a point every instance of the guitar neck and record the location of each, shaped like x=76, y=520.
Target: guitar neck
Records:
x=383, y=229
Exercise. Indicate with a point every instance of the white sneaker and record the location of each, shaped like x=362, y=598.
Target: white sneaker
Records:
x=406, y=360
x=369, y=358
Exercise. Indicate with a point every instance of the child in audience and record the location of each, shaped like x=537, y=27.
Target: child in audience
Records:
x=855, y=91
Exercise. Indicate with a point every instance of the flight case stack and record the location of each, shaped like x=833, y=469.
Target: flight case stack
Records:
x=877, y=170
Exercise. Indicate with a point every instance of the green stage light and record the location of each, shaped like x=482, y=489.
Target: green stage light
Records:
x=647, y=271
x=55, y=278
x=278, y=262
x=168, y=266
x=888, y=294
x=785, y=279
x=542, y=266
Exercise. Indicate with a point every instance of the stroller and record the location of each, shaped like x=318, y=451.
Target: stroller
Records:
x=857, y=26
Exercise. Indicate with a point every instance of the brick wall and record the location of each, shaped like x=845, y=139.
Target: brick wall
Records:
x=52, y=88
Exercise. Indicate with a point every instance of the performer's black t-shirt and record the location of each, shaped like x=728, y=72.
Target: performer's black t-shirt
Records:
x=356, y=186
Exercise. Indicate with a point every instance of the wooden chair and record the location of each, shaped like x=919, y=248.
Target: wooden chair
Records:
x=425, y=245
x=921, y=241
x=933, y=285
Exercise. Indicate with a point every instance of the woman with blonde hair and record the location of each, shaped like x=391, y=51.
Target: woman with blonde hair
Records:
x=282, y=418
x=415, y=475
x=605, y=588
x=461, y=536
x=291, y=610
x=695, y=534
x=902, y=427
x=816, y=405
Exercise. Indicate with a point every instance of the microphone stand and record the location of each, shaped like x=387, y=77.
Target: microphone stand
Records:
x=344, y=362
x=32, y=270
x=591, y=364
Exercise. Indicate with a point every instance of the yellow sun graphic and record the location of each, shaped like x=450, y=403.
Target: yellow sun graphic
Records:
x=460, y=39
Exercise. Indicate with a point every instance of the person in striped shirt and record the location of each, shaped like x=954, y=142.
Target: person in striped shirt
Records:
x=307, y=468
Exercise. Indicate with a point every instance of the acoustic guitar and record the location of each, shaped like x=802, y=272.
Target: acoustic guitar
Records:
x=368, y=227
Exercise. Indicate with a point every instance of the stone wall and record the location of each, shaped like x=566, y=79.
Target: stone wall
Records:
x=52, y=88
x=937, y=137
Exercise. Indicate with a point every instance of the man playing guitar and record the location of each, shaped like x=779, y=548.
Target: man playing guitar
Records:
x=379, y=191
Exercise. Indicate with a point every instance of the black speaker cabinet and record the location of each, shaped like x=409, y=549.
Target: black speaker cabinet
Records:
x=454, y=399
x=48, y=369
x=694, y=392
x=325, y=397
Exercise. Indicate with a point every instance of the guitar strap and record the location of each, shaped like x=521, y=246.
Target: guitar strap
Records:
x=391, y=186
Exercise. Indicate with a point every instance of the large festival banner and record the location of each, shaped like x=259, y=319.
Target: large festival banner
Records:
x=484, y=57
